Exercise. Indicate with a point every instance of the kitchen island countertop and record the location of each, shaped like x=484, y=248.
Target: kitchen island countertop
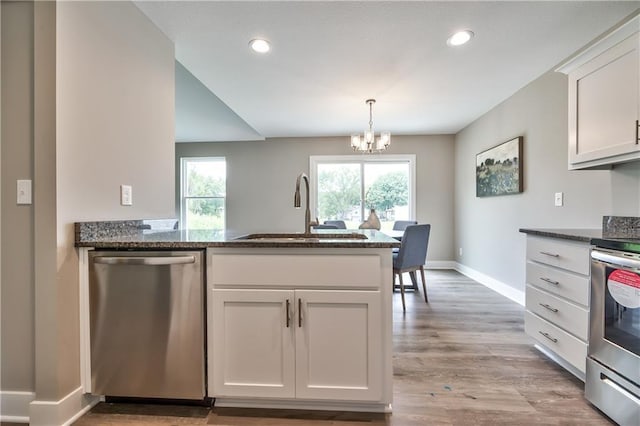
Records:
x=146, y=234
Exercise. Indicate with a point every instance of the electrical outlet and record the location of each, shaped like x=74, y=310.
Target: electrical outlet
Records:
x=24, y=191
x=460, y=251
x=126, y=195
x=559, y=200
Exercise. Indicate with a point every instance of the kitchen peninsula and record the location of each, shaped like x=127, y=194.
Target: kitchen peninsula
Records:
x=293, y=320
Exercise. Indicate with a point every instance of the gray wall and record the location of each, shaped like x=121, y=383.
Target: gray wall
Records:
x=88, y=105
x=17, y=285
x=261, y=179
x=487, y=228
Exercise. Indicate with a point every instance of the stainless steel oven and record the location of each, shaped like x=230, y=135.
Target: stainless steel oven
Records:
x=613, y=362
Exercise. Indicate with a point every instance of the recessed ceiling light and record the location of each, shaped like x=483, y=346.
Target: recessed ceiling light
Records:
x=260, y=45
x=460, y=38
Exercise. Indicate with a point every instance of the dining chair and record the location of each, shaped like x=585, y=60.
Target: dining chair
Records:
x=401, y=225
x=411, y=256
x=324, y=227
x=338, y=223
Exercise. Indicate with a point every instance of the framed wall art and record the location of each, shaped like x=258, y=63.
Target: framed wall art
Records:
x=499, y=169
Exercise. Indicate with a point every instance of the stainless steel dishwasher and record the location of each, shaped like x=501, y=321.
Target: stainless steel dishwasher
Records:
x=147, y=324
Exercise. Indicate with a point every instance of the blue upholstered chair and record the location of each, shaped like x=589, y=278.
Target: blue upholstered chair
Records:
x=324, y=227
x=412, y=255
x=338, y=223
x=401, y=225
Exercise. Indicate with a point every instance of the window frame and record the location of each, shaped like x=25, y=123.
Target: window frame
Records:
x=315, y=160
x=183, y=188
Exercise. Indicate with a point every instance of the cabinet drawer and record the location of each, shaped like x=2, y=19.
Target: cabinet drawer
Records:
x=295, y=270
x=570, y=348
x=557, y=281
x=559, y=253
x=565, y=315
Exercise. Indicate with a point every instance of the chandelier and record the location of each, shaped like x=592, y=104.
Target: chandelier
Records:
x=368, y=142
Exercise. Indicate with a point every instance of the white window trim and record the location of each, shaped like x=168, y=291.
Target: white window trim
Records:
x=183, y=183
x=314, y=160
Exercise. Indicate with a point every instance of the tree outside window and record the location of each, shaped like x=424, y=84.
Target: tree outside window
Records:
x=203, y=183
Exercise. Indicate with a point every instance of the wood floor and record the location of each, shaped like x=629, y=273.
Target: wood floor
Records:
x=461, y=360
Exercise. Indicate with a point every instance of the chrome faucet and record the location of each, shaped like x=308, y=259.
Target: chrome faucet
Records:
x=296, y=202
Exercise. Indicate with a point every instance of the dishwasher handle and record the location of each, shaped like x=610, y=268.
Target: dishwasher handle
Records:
x=144, y=260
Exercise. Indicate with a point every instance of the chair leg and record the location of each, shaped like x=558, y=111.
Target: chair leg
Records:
x=404, y=309
x=414, y=280
x=424, y=284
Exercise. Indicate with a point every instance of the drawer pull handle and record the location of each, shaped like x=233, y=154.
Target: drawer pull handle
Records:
x=551, y=308
x=299, y=312
x=637, y=125
x=288, y=314
x=546, y=253
x=550, y=281
x=553, y=339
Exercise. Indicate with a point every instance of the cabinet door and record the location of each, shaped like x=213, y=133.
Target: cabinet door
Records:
x=338, y=345
x=252, y=349
x=603, y=106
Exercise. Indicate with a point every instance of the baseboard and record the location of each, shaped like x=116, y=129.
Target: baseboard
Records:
x=14, y=406
x=63, y=412
x=440, y=264
x=370, y=407
x=495, y=285
x=560, y=361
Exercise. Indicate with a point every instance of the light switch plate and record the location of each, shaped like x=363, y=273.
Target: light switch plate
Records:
x=559, y=200
x=24, y=191
x=126, y=195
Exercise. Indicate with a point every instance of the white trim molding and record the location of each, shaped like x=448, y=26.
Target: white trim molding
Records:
x=440, y=264
x=14, y=406
x=495, y=285
x=63, y=412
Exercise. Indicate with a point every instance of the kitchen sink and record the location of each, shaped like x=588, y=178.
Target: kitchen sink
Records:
x=303, y=237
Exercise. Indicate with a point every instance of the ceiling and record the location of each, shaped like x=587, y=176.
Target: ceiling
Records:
x=328, y=57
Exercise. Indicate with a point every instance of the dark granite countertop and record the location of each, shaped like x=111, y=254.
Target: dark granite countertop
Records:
x=145, y=234
x=582, y=235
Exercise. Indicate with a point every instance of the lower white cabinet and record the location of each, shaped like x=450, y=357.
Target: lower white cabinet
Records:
x=306, y=328
x=311, y=344
x=557, y=299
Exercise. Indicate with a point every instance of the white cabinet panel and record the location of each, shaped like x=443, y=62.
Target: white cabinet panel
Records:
x=338, y=345
x=562, y=313
x=562, y=343
x=566, y=284
x=559, y=253
x=294, y=270
x=252, y=349
x=604, y=100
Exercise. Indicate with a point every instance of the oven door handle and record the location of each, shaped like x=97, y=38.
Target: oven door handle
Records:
x=615, y=260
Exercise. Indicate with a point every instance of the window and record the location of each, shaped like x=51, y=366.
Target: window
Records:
x=346, y=187
x=203, y=182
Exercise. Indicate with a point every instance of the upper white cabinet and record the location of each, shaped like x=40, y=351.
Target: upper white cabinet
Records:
x=604, y=100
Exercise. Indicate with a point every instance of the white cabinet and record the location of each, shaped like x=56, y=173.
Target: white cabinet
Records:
x=557, y=299
x=300, y=328
x=315, y=344
x=604, y=100
x=253, y=352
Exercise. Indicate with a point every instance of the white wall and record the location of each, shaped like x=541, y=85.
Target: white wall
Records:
x=87, y=105
x=487, y=228
x=261, y=180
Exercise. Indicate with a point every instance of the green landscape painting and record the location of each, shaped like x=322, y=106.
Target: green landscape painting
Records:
x=499, y=169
